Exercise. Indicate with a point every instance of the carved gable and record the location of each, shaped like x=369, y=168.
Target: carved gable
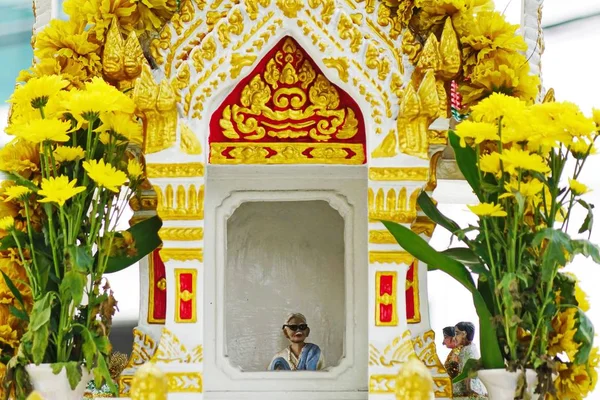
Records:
x=287, y=111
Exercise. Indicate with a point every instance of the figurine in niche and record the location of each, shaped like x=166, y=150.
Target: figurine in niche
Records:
x=299, y=355
x=452, y=365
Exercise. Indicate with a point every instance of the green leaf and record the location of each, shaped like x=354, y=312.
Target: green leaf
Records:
x=103, y=344
x=587, y=249
x=21, y=314
x=466, y=159
x=490, y=349
x=585, y=336
x=469, y=259
x=588, y=222
x=40, y=314
x=9, y=242
x=101, y=373
x=73, y=372
x=13, y=289
x=145, y=234
x=89, y=347
x=39, y=344
x=430, y=209
x=72, y=287
x=558, y=243
x=81, y=258
x=469, y=370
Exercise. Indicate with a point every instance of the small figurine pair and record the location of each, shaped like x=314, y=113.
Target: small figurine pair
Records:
x=299, y=355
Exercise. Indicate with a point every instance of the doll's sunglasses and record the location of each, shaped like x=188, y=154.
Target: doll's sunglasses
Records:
x=296, y=328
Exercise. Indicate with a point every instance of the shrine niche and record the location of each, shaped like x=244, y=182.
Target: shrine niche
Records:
x=269, y=102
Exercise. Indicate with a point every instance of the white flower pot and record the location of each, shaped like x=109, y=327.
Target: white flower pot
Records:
x=501, y=384
x=56, y=387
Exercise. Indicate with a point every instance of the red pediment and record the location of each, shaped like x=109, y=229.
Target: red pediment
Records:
x=287, y=111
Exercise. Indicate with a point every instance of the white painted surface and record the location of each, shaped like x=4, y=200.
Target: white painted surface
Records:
x=283, y=257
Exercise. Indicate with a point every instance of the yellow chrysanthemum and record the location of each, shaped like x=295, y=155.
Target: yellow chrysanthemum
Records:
x=531, y=189
x=154, y=14
x=488, y=210
x=100, y=13
x=575, y=382
x=582, y=298
x=17, y=192
x=13, y=267
x=9, y=336
x=105, y=175
x=97, y=98
x=41, y=130
x=7, y=223
x=562, y=338
x=124, y=125
x=70, y=69
x=577, y=187
x=69, y=40
x=596, y=116
x=20, y=156
x=134, y=169
x=565, y=121
x=498, y=105
x=490, y=163
x=516, y=159
x=476, y=131
x=59, y=190
x=37, y=91
x=581, y=147
x=68, y=153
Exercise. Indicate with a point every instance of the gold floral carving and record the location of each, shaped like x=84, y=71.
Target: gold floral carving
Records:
x=185, y=382
x=390, y=257
x=388, y=146
x=382, y=383
x=290, y=8
x=143, y=350
x=340, y=64
x=286, y=153
x=423, y=225
x=381, y=237
x=122, y=60
x=450, y=56
x=374, y=62
x=252, y=7
x=418, y=109
x=348, y=31
x=180, y=203
x=327, y=10
x=396, y=353
x=438, y=137
x=426, y=351
x=181, y=234
x=399, y=174
x=189, y=142
x=393, y=206
x=185, y=170
x=181, y=254
x=171, y=350
x=443, y=387
x=239, y=61
x=157, y=104
x=317, y=115
x=235, y=26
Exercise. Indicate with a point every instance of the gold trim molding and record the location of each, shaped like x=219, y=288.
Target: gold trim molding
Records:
x=399, y=174
x=390, y=257
x=181, y=234
x=381, y=237
x=174, y=170
x=186, y=254
x=185, y=382
x=180, y=203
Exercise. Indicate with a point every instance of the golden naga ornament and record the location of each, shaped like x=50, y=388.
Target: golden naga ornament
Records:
x=149, y=383
x=289, y=100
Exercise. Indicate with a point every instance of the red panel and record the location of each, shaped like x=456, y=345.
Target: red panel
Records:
x=281, y=119
x=186, y=282
x=386, y=312
x=159, y=311
x=386, y=285
x=410, y=293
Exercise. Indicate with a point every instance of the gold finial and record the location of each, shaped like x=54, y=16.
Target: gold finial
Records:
x=414, y=382
x=149, y=383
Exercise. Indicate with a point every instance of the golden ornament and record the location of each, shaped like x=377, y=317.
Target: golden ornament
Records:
x=149, y=383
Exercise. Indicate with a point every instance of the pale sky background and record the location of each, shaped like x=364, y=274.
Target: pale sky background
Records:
x=570, y=66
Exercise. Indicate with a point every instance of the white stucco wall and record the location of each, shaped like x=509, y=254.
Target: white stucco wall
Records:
x=290, y=258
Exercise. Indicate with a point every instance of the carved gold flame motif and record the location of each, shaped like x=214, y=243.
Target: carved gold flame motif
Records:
x=289, y=100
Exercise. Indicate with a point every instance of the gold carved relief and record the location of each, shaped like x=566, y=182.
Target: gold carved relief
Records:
x=348, y=31
x=388, y=147
x=143, y=350
x=381, y=237
x=398, y=174
x=426, y=351
x=341, y=65
x=122, y=60
x=171, y=350
x=396, y=353
x=186, y=170
x=181, y=234
x=157, y=104
x=327, y=10
x=182, y=254
x=290, y=8
x=423, y=225
x=374, y=62
x=318, y=115
x=382, y=383
x=252, y=7
x=189, y=142
x=389, y=205
x=182, y=204
x=185, y=382
x=238, y=62
x=390, y=257
x=286, y=153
